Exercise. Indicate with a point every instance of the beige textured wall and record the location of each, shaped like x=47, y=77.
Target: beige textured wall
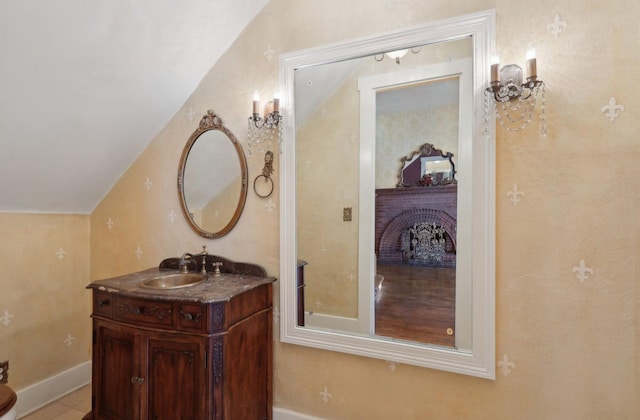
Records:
x=568, y=348
x=44, y=307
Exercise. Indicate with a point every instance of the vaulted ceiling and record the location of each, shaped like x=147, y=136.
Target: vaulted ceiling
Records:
x=85, y=85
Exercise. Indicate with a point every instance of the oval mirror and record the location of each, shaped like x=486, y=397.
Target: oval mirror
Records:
x=212, y=179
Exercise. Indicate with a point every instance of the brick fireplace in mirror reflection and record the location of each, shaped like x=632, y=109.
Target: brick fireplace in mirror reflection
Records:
x=415, y=243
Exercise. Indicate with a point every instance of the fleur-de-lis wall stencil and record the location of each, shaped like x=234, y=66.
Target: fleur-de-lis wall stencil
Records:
x=191, y=114
x=390, y=4
x=269, y=53
x=325, y=395
x=61, y=253
x=582, y=271
x=148, y=184
x=173, y=216
x=6, y=317
x=557, y=25
x=613, y=110
x=270, y=206
x=515, y=194
x=505, y=365
x=69, y=340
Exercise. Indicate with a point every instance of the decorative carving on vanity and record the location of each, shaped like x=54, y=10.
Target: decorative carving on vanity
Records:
x=217, y=361
x=218, y=317
x=156, y=311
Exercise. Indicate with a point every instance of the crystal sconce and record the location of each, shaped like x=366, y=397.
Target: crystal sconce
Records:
x=264, y=130
x=514, y=100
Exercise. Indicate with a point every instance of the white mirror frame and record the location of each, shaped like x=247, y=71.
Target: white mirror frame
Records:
x=480, y=360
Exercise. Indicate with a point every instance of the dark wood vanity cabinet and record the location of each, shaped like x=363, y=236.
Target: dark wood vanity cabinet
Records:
x=176, y=359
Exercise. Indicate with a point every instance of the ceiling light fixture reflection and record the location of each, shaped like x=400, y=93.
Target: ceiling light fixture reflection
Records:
x=397, y=54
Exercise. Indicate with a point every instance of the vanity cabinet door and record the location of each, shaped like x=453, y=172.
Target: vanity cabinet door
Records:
x=142, y=374
x=114, y=366
x=176, y=374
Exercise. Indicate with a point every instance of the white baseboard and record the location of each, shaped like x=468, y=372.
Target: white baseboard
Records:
x=49, y=390
x=284, y=414
x=44, y=392
x=331, y=322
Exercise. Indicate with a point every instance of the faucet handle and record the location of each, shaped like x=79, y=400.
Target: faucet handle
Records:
x=217, y=268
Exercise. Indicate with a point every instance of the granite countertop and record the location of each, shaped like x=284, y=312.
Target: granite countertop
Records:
x=216, y=288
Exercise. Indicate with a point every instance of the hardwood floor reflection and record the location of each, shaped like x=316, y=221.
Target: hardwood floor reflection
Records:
x=417, y=304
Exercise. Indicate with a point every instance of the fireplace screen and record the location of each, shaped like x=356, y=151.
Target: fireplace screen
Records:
x=424, y=243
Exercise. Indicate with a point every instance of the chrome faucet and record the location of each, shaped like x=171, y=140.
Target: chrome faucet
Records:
x=182, y=265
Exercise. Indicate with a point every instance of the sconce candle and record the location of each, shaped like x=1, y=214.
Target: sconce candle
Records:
x=256, y=103
x=495, y=63
x=276, y=102
x=532, y=71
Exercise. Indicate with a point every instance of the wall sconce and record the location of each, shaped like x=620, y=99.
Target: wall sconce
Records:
x=514, y=100
x=264, y=130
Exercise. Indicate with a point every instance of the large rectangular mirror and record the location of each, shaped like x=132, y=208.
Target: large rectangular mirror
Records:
x=387, y=201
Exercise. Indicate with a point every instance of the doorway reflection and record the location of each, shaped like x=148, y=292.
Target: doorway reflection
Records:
x=411, y=120
x=416, y=212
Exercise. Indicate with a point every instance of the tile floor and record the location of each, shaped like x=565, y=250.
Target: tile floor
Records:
x=70, y=407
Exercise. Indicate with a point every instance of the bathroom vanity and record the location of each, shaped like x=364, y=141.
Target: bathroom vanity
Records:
x=174, y=345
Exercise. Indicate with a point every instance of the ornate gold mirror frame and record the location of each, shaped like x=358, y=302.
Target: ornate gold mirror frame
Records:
x=212, y=165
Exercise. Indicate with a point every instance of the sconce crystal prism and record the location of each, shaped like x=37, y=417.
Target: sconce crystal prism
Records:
x=514, y=101
x=264, y=131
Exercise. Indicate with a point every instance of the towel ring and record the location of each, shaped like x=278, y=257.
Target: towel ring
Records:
x=266, y=174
